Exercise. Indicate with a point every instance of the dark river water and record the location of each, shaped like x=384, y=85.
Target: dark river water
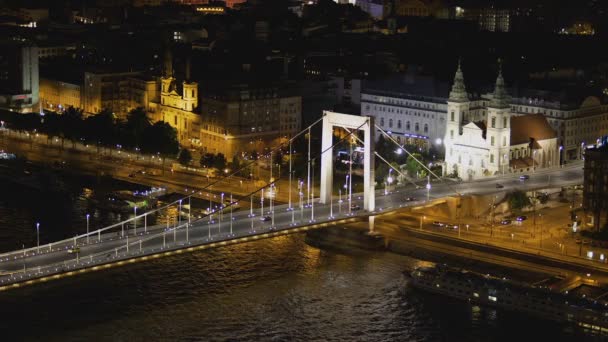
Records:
x=279, y=289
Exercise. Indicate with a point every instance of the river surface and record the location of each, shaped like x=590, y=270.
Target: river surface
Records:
x=279, y=289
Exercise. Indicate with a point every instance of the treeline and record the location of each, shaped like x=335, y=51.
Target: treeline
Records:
x=101, y=130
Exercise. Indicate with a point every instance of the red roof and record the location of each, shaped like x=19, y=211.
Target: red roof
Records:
x=527, y=127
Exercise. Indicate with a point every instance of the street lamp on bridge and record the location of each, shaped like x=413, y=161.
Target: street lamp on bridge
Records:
x=38, y=237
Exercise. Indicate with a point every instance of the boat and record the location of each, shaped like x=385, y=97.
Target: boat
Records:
x=127, y=200
x=484, y=289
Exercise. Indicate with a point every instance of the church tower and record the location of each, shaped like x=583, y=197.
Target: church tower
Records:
x=458, y=104
x=190, y=90
x=167, y=80
x=499, y=127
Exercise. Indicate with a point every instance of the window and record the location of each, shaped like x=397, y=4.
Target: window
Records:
x=390, y=123
x=452, y=116
x=492, y=141
x=175, y=120
x=491, y=158
x=417, y=127
x=452, y=134
x=407, y=125
x=504, y=122
x=426, y=128
x=382, y=122
x=493, y=122
x=504, y=141
x=398, y=123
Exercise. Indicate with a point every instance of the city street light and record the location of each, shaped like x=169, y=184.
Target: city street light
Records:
x=38, y=237
x=221, y=212
x=428, y=188
x=134, y=221
x=561, y=148
x=179, y=213
x=88, y=229
x=389, y=180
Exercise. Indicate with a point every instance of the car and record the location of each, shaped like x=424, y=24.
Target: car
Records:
x=438, y=224
x=524, y=177
x=74, y=250
x=505, y=222
x=355, y=207
x=522, y=218
x=453, y=226
x=499, y=186
x=409, y=199
x=265, y=218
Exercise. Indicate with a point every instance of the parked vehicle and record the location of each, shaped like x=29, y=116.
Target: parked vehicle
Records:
x=522, y=218
x=524, y=177
x=505, y=222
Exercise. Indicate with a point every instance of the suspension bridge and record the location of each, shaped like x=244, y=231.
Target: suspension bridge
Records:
x=133, y=240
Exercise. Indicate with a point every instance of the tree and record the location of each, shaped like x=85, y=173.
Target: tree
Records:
x=161, y=139
x=236, y=164
x=101, y=129
x=72, y=124
x=518, y=200
x=185, y=157
x=137, y=122
x=219, y=162
x=413, y=167
x=207, y=160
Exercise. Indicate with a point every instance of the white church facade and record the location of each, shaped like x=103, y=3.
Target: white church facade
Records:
x=500, y=143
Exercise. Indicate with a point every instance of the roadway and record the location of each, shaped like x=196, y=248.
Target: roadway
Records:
x=117, y=244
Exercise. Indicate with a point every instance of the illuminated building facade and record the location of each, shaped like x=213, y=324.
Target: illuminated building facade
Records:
x=595, y=188
x=56, y=95
x=246, y=118
x=107, y=90
x=500, y=143
x=178, y=104
x=19, y=80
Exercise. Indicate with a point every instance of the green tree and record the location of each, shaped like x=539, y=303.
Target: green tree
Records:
x=219, y=162
x=184, y=157
x=207, y=160
x=101, y=129
x=518, y=200
x=72, y=124
x=236, y=164
x=137, y=122
x=161, y=139
x=413, y=167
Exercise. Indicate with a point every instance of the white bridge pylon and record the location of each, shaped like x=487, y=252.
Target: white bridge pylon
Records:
x=354, y=122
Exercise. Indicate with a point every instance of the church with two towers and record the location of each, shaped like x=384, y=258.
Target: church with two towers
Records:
x=499, y=142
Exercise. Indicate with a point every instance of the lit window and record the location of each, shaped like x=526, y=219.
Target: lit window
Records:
x=492, y=298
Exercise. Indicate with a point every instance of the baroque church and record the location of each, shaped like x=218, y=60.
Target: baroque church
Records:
x=178, y=103
x=499, y=142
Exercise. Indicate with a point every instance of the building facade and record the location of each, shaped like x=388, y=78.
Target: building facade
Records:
x=107, y=90
x=244, y=118
x=595, y=188
x=56, y=95
x=577, y=124
x=412, y=110
x=500, y=143
x=19, y=78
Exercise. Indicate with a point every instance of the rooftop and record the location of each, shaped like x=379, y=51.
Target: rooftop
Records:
x=528, y=128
